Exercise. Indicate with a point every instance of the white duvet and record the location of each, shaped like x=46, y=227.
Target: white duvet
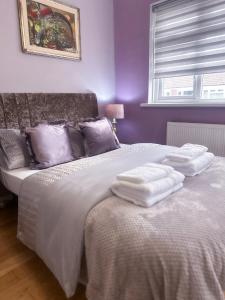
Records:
x=54, y=204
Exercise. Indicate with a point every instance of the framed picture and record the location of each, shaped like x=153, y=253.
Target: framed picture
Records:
x=50, y=28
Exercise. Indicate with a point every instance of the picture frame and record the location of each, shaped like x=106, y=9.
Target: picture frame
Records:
x=50, y=28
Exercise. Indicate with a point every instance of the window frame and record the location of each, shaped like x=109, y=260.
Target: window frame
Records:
x=155, y=85
x=158, y=92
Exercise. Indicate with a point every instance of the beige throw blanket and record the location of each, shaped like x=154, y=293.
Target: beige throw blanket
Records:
x=174, y=250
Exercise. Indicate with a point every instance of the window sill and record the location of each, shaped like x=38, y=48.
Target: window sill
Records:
x=171, y=105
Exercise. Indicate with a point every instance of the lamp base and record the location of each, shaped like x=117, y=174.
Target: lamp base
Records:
x=114, y=122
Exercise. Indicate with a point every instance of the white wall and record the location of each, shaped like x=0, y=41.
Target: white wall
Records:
x=21, y=72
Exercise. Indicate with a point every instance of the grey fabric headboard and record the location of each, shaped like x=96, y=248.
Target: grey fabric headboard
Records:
x=21, y=110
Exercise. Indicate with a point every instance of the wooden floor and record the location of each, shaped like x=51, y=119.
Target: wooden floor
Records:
x=23, y=276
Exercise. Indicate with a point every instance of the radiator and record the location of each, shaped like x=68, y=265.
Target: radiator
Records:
x=210, y=135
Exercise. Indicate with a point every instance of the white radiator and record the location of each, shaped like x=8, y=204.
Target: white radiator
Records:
x=210, y=135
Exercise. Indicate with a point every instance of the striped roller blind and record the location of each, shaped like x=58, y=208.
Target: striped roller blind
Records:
x=189, y=37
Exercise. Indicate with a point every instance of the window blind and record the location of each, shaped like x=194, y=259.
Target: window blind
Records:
x=189, y=37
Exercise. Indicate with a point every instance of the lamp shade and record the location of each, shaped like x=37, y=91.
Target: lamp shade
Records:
x=115, y=111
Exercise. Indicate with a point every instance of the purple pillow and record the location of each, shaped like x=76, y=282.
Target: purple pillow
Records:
x=99, y=137
x=50, y=145
x=76, y=141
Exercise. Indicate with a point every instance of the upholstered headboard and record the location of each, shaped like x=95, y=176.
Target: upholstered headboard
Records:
x=21, y=110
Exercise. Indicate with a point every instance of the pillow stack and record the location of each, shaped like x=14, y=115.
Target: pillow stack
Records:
x=52, y=143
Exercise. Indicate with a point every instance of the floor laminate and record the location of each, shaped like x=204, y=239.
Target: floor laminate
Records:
x=23, y=276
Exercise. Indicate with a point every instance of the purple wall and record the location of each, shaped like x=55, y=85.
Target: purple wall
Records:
x=131, y=56
x=21, y=72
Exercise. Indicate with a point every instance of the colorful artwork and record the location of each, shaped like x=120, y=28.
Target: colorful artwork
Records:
x=50, y=28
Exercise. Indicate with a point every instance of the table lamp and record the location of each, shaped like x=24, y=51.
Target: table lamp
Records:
x=115, y=112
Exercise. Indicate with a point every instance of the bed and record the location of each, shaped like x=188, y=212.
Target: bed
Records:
x=174, y=250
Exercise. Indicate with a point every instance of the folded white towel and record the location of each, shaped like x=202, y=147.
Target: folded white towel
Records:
x=152, y=188
x=147, y=202
x=146, y=173
x=187, y=152
x=148, y=193
x=193, y=167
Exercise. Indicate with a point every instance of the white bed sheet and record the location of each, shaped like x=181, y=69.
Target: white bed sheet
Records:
x=13, y=179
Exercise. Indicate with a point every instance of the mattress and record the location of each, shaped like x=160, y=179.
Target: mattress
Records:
x=13, y=179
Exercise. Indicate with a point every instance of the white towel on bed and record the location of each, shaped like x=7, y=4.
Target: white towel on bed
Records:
x=187, y=153
x=146, y=202
x=195, y=166
x=146, y=173
x=148, y=194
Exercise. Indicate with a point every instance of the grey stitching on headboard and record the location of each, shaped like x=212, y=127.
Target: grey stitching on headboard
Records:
x=21, y=110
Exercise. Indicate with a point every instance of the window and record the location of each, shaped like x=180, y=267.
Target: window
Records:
x=177, y=86
x=213, y=86
x=187, y=53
